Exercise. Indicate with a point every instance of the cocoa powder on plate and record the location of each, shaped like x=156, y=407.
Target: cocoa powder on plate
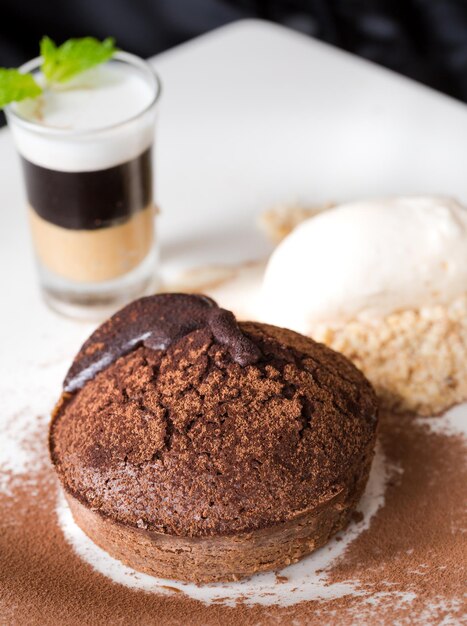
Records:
x=409, y=564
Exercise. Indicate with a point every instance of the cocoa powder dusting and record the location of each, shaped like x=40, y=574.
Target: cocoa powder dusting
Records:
x=262, y=441
x=409, y=562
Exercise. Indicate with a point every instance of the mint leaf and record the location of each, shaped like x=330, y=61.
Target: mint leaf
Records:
x=61, y=63
x=15, y=86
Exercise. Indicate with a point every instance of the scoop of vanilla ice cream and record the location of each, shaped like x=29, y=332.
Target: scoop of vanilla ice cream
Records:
x=367, y=259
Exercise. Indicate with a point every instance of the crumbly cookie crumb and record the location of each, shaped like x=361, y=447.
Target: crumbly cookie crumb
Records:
x=416, y=359
x=282, y=219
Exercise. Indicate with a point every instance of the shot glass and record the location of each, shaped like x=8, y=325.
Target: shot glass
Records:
x=86, y=150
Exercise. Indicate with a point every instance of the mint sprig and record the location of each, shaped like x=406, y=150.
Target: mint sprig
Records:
x=59, y=65
x=15, y=86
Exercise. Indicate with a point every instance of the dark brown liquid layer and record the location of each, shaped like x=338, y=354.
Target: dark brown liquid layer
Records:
x=155, y=322
x=90, y=200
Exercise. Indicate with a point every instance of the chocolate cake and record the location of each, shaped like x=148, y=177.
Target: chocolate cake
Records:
x=197, y=448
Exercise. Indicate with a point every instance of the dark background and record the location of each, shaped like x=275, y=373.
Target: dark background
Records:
x=423, y=39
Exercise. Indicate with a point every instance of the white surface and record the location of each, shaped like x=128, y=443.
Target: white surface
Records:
x=251, y=115
x=367, y=259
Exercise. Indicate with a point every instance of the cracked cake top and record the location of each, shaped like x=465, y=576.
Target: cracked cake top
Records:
x=207, y=427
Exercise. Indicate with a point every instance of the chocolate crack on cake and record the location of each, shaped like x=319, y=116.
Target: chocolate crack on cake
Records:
x=208, y=449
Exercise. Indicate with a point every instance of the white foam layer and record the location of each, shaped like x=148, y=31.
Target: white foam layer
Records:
x=100, y=97
x=100, y=108
x=367, y=259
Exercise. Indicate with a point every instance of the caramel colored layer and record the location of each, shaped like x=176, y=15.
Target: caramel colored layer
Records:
x=97, y=255
x=223, y=558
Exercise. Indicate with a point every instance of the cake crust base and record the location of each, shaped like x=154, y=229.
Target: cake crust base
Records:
x=223, y=558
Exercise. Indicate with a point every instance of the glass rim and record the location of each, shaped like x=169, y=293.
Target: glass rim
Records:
x=126, y=57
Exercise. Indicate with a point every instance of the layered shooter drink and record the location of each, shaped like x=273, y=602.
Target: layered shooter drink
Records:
x=86, y=150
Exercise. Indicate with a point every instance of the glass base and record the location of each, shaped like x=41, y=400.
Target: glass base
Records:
x=97, y=301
